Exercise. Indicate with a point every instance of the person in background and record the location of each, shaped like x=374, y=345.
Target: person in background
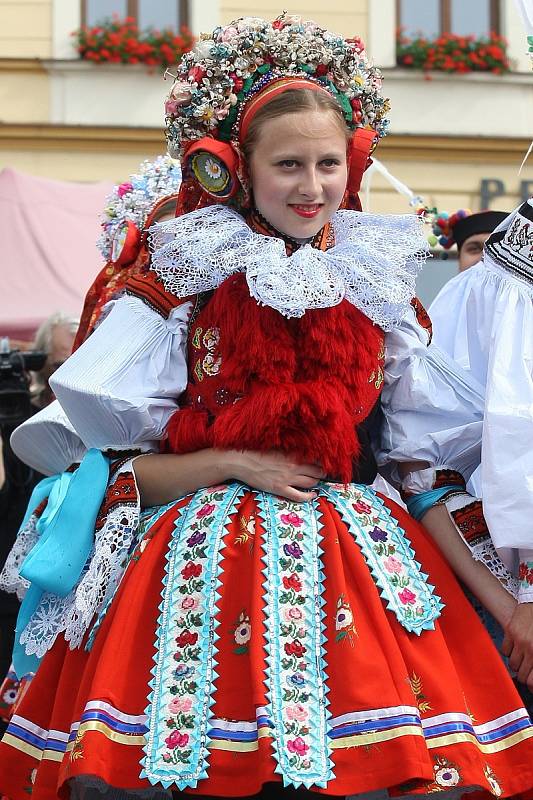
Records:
x=147, y=196
x=54, y=337
x=468, y=231
x=468, y=318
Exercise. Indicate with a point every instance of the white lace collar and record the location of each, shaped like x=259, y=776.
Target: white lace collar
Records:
x=373, y=264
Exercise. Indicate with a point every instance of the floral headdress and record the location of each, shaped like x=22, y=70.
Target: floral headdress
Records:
x=130, y=203
x=226, y=70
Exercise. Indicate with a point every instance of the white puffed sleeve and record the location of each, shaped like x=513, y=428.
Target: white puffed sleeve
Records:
x=47, y=441
x=461, y=315
x=121, y=386
x=433, y=409
x=483, y=318
x=507, y=474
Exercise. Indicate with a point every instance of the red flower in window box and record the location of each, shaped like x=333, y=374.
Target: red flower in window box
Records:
x=121, y=41
x=451, y=53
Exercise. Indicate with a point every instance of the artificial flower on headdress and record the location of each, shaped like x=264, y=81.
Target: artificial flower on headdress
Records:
x=443, y=226
x=227, y=69
x=129, y=205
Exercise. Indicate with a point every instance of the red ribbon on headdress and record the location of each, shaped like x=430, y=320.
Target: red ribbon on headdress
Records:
x=360, y=147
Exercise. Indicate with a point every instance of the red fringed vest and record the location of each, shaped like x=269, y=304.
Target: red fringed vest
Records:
x=259, y=381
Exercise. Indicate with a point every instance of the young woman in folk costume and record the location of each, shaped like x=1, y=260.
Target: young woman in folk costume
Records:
x=271, y=630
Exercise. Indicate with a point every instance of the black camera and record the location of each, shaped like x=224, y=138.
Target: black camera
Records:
x=15, y=404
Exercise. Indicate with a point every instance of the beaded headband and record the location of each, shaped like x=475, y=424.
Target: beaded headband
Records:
x=267, y=91
x=220, y=81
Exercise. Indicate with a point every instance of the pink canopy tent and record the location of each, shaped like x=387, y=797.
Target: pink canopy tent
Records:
x=48, y=233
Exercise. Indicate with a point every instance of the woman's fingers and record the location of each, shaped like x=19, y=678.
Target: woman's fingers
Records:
x=276, y=473
x=525, y=669
x=296, y=495
x=518, y=641
x=304, y=481
x=516, y=658
x=312, y=470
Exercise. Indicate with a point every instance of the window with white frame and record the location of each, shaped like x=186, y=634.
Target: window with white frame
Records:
x=156, y=14
x=462, y=17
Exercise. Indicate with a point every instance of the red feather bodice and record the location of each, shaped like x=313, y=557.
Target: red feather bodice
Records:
x=259, y=381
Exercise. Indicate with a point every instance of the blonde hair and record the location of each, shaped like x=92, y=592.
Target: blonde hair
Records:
x=43, y=337
x=293, y=101
x=43, y=342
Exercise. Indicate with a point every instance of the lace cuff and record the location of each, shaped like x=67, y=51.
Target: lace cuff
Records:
x=466, y=512
x=116, y=530
x=11, y=581
x=525, y=576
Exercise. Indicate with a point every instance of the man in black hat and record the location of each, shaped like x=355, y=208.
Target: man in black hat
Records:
x=470, y=234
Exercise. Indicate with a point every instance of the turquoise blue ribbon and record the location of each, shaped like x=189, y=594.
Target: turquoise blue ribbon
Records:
x=419, y=504
x=66, y=535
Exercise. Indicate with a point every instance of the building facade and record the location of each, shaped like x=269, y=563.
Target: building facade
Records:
x=457, y=140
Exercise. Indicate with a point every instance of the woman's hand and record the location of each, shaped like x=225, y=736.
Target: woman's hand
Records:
x=276, y=473
x=518, y=643
x=162, y=478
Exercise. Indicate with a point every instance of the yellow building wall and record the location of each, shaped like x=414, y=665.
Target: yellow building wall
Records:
x=26, y=28
x=347, y=18
x=24, y=92
x=448, y=172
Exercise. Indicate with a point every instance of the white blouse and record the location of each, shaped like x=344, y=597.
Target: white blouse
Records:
x=121, y=386
x=433, y=409
x=47, y=441
x=484, y=319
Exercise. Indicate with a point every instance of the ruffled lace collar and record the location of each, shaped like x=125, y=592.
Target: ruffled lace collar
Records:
x=373, y=263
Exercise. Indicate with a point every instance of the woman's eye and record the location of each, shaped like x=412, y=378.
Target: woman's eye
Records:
x=330, y=162
x=287, y=163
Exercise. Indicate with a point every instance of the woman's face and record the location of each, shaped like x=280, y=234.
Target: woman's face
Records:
x=298, y=171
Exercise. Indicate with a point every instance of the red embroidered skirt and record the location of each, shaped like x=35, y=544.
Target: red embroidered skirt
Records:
x=255, y=640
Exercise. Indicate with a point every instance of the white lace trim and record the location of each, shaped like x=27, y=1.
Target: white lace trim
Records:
x=484, y=551
x=373, y=264
x=73, y=614
x=11, y=580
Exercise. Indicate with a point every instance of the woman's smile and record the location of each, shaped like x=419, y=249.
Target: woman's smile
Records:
x=308, y=211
